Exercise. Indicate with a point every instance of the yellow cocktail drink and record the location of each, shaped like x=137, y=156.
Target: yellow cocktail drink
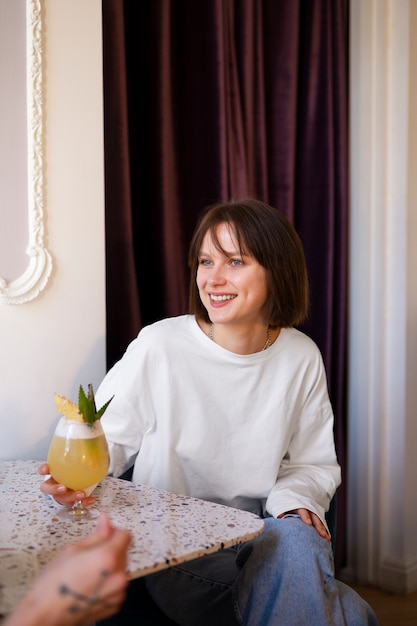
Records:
x=78, y=456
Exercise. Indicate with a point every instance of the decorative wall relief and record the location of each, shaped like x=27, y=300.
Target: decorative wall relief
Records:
x=34, y=279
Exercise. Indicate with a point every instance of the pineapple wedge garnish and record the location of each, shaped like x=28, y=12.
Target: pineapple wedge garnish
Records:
x=86, y=411
x=68, y=408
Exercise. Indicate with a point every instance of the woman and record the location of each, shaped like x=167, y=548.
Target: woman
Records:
x=229, y=403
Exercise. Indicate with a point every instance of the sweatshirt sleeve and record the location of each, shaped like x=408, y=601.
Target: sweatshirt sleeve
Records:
x=309, y=473
x=123, y=421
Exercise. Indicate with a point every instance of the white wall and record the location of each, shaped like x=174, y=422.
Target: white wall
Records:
x=382, y=460
x=57, y=341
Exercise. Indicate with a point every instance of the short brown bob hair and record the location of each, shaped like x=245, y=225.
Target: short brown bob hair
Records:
x=265, y=234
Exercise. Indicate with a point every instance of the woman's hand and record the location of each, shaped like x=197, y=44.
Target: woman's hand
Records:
x=60, y=493
x=311, y=519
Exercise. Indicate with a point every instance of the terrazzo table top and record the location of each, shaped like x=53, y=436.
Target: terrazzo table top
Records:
x=167, y=528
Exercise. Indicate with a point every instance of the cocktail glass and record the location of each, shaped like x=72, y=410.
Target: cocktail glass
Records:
x=78, y=458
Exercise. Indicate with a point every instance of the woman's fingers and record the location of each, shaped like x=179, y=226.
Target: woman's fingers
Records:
x=43, y=469
x=311, y=519
x=60, y=493
x=319, y=526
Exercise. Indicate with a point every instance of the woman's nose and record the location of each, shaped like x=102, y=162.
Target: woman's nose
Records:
x=217, y=276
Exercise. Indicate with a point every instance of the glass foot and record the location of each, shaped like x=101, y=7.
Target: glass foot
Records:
x=79, y=512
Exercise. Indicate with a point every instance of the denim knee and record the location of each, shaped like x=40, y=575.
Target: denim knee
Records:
x=287, y=543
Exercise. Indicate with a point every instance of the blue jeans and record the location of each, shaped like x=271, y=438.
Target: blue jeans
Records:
x=284, y=576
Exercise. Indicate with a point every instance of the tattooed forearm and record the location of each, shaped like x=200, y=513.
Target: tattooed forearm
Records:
x=83, y=600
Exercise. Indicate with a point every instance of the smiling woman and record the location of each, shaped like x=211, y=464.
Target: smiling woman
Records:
x=245, y=420
x=21, y=176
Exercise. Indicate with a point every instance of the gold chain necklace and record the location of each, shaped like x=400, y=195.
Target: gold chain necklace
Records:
x=268, y=341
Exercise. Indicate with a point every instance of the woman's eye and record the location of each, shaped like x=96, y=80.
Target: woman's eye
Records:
x=236, y=262
x=204, y=262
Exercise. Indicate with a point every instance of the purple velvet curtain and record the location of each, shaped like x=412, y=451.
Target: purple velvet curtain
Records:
x=216, y=99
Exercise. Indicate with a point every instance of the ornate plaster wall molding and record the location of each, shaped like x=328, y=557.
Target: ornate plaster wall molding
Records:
x=34, y=279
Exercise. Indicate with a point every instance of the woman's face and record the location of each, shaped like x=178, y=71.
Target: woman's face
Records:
x=232, y=287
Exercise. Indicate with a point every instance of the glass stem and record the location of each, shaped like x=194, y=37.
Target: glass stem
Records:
x=78, y=507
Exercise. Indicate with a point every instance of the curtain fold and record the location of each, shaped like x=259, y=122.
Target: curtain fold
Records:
x=218, y=99
x=122, y=298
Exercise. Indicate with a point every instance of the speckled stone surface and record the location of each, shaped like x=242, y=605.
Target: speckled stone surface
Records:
x=167, y=528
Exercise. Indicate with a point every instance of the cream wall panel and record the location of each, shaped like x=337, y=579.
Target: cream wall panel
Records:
x=57, y=341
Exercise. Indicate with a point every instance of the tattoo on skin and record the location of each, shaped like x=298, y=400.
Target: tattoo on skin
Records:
x=83, y=600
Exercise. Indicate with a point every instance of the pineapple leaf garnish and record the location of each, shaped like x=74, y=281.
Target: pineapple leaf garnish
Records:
x=87, y=405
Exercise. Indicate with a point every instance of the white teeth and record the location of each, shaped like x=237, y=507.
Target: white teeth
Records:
x=221, y=298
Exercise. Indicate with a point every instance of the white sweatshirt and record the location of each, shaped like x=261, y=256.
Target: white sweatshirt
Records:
x=249, y=431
